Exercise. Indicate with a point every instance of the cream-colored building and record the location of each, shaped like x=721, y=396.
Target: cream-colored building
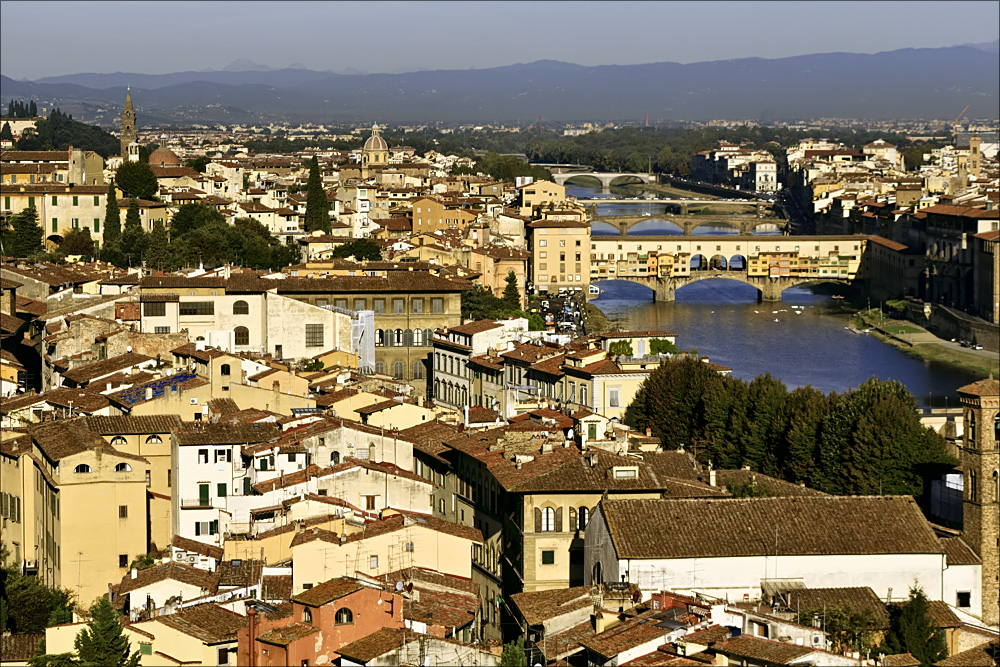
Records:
x=397, y=541
x=560, y=255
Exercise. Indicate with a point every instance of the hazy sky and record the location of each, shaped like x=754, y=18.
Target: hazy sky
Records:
x=51, y=38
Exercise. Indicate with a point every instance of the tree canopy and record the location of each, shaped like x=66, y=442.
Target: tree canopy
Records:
x=866, y=441
x=22, y=234
x=59, y=132
x=136, y=179
x=480, y=303
x=359, y=249
x=913, y=632
x=317, y=205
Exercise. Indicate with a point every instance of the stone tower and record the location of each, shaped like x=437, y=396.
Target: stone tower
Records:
x=128, y=124
x=975, y=144
x=981, y=472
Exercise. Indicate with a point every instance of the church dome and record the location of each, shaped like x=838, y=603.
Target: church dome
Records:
x=163, y=157
x=375, y=142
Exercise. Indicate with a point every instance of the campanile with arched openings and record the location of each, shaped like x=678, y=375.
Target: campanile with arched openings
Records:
x=981, y=494
x=129, y=134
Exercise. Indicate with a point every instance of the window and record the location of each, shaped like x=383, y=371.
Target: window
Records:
x=307, y=616
x=55, y=200
x=241, y=335
x=340, y=303
x=123, y=511
x=379, y=338
x=197, y=308
x=123, y=467
x=344, y=617
x=223, y=456
x=418, y=368
x=359, y=304
x=548, y=557
x=221, y=490
x=437, y=305
x=83, y=467
x=55, y=224
x=145, y=649
x=373, y=563
x=542, y=243
x=122, y=560
x=417, y=306
x=154, y=440
x=202, y=456
x=399, y=370
x=441, y=505
x=314, y=335
x=613, y=397
x=334, y=458
x=397, y=306
x=149, y=479
x=224, y=369
x=118, y=441
x=97, y=200
x=154, y=309
x=964, y=599
x=76, y=200
x=370, y=503
x=170, y=478
x=241, y=308
x=378, y=306
x=548, y=520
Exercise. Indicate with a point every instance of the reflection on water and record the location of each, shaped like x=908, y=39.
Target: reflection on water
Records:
x=805, y=345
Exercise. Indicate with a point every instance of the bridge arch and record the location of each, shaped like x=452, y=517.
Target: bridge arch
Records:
x=625, y=179
x=698, y=262
x=585, y=180
x=738, y=262
x=718, y=263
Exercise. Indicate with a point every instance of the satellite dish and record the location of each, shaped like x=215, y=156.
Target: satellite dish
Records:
x=399, y=586
x=128, y=349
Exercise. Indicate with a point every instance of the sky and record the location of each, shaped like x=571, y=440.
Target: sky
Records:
x=162, y=37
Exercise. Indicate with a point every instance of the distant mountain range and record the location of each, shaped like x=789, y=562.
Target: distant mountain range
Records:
x=907, y=83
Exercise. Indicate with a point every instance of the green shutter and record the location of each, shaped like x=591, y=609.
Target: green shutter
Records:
x=203, y=494
x=6, y=203
x=76, y=200
x=221, y=490
x=197, y=529
x=246, y=486
x=97, y=225
x=97, y=200
x=31, y=202
x=55, y=225
x=213, y=528
x=146, y=649
x=55, y=200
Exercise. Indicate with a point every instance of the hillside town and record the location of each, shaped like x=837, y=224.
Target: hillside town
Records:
x=256, y=464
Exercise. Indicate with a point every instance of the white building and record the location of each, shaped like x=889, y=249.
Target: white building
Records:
x=455, y=345
x=729, y=547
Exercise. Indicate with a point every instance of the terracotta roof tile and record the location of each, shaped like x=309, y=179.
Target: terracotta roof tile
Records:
x=287, y=634
x=197, y=547
x=958, y=552
x=756, y=648
x=209, y=623
x=203, y=579
x=539, y=606
x=861, y=600
x=981, y=388
x=376, y=644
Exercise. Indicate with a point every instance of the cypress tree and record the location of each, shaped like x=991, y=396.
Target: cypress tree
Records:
x=103, y=642
x=134, y=241
x=5, y=132
x=25, y=234
x=32, y=109
x=317, y=206
x=158, y=255
x=511, y=295
x=112, y=218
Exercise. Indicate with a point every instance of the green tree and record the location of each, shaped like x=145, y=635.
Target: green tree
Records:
x=191, y=216
x=359, y=249
x=5, y=133
x=77, y=242
x=112, y=217
x=662, y=346
x=846, y=628
x=103, y=641
x=913, y=631
x=620, y=347
x=317, y=206
x=136, y=179
x=511, y=293
x=198, y=163
x=23, y=237
x=513, y=654
x=158, y=253
x=134, y=240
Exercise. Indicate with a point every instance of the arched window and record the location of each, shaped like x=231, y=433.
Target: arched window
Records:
x=242, y=336
x=548, y=519
x=581, y=518
x=241, y=308
x=465, y=396
x=118, y=441
x=418, y=337
x=121, y=467
x=437, y=389
x=427, y=336
x=154, y=440
x=388, y=337
x=407, y=338
x=380, y=367
x=418, y=369
x=334, y=458
x=83, y=467
x=398, y=370
x=397, y=338
x=344, y=617
x=996, y=486
x=224, y=369
x=972, y=485
x=598, y=574
x=970, y=427
x=307, y=616
x=379, y=338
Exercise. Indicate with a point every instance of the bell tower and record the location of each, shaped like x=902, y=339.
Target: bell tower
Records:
x=981, y=495
x=128, y=124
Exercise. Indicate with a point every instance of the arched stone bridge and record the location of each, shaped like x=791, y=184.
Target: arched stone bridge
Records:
x=606, y=178
x=744, y=224
x=768, y=288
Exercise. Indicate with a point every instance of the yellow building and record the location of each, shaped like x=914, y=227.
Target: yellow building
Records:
x=103, y=498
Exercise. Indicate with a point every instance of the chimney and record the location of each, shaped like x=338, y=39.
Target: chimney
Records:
x=649, y=432
x=711, y=477
x=199, y=345
x=593, y=460
x=466, y=411
x=149, y=393
x=135, y=573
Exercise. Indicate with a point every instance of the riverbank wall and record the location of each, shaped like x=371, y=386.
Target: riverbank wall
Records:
x=949, y=323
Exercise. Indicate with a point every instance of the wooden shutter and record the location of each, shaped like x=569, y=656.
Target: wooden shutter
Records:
x=559, y=513
x=538, y=519
x=572, y=518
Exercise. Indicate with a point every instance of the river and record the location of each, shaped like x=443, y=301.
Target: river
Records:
x=800, y=346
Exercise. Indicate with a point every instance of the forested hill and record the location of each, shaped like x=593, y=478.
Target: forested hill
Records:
x=59, y=131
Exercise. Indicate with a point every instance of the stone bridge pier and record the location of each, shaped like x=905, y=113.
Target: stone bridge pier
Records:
x=768, y=288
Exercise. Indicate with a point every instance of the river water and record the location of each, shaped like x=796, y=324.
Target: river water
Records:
x=806, y=345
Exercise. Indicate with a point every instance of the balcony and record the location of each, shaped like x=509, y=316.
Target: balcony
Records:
x=196, y=504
